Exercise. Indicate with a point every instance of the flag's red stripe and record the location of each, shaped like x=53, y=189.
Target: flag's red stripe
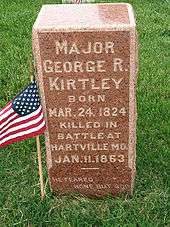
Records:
x=8, y=106
x=8, y=122
x=23, y=129
x=7, y=117
x=14, y=119
x=22, y=122
x=19, y=138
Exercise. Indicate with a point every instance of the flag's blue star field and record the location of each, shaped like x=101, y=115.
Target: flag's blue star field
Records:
x=27, y=101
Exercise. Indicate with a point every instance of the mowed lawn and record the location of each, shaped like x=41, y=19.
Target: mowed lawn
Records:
x=20, y=203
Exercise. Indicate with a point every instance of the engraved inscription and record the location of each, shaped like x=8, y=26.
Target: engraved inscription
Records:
x=86, y=86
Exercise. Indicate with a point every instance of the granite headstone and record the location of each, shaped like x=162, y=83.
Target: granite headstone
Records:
x=86, y=58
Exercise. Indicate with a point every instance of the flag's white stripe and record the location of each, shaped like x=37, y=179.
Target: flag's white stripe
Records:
x=31, y=122
x=23, y=133
x=10, y=118
x=2, y=111
x=5, y=115
x=22, y=119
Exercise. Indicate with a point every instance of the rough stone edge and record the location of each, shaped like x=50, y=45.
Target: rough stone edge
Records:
x=105, y=27
x=132, y=96
x=37, y=59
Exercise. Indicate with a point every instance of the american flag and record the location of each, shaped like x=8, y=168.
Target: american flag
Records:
x=72, y=1
x=76, y=1
x=22, y=117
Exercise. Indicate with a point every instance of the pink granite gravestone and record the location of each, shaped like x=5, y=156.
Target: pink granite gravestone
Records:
x=86, y=61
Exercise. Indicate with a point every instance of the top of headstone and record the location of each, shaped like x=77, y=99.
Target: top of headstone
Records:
x=85, y=16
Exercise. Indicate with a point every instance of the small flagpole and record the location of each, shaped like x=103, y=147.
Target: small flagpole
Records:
x=38, y=147
x=40, y=167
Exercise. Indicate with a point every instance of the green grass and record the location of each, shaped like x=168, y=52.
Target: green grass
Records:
x=20, y=203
